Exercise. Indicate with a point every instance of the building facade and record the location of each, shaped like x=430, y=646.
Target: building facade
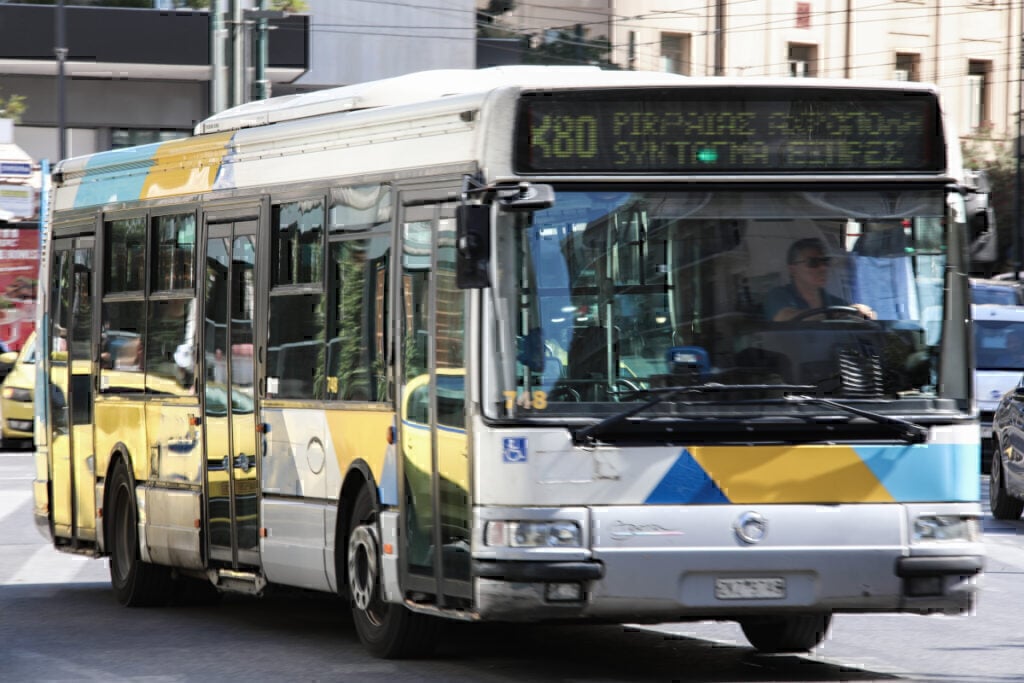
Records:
x=130, y=76
x=969, y=48
x=365, y=40
x=133, y=76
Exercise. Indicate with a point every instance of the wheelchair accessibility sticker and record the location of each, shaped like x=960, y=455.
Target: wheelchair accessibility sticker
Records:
x=513, y=449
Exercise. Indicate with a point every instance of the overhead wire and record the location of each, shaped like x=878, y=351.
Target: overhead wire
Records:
x=647, y=50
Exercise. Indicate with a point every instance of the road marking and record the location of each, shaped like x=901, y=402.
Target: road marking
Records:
x=12, y=500
x=47, y=565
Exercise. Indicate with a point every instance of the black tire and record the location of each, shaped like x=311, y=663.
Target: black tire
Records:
x=387, y=630
x=789, y=633
x=1004, y=506
x=189, y=592
x=136, y=583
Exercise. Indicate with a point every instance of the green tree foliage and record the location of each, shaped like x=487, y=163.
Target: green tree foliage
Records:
x=557, y=47
x=12, y=107
x=569, y=48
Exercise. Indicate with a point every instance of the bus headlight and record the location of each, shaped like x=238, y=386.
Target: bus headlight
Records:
x=529, y=534
x=945, y=528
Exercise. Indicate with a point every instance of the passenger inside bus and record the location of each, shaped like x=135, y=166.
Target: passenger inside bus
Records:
x=808, y=265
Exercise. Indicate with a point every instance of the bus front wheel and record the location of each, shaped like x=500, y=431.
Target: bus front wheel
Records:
x=1003, y=505
x=387, y=630
x=788, y=633
x=136, y=583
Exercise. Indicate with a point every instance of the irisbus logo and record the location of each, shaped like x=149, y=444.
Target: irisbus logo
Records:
x=750, y=527
x=624, y=530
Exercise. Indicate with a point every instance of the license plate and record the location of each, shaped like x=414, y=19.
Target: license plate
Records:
x=750, y=589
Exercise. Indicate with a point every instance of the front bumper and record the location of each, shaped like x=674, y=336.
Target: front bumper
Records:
x=651, y=564
x=17, y=419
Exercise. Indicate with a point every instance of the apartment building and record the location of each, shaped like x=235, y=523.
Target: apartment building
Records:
x=970, y=48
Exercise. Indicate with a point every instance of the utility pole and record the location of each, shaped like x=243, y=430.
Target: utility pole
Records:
x=218, y=75
x=1018, y=242
x=261, y=85
x=719, y=37
x=849, y=39
x=61, y=51
x=238, y=52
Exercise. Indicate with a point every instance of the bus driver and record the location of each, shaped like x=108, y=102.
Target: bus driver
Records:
x=808, y=273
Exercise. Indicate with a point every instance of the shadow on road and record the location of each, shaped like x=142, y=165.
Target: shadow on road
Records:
x=77, y=632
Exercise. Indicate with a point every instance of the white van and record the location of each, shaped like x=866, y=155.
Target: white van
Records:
x=999, y=360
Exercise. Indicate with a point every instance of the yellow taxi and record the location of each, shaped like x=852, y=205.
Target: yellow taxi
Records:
x=16, y=394
x=452, y=451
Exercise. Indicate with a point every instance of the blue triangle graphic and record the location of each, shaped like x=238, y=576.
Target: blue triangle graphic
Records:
x=686, y=482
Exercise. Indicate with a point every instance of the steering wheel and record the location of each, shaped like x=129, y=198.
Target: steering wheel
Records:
x=627, y=386
x=833, y=313
x=564, y=393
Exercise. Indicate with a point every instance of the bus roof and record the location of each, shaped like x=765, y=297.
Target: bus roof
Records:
x=299, y=137
x=432, y=85
x=421, y=87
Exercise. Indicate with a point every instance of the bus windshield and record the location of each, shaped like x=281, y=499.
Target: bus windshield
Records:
x=619, y=292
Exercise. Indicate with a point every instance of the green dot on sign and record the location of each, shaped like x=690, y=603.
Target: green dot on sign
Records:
x=707, y=155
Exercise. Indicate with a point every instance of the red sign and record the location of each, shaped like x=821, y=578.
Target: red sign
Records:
x=19, y=276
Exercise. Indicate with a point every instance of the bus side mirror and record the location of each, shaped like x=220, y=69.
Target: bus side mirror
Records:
x=473, y=245
x=527, y=197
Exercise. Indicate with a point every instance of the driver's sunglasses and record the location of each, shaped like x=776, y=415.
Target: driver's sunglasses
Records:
x=816, y=261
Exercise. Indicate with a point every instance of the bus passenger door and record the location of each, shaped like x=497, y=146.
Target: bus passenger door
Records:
x=73, y=474
x=432, y=425
x=229, y=396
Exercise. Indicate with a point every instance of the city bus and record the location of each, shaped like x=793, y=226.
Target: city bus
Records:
x=503, y=345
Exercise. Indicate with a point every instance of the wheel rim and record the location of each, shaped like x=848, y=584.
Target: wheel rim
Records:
x=364, y=570
x=995, y=481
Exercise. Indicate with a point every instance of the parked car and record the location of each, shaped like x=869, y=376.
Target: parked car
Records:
x=16, y=395
x=999, y=362
x=1006, y=471
x=7, y=360
x=1006, y=292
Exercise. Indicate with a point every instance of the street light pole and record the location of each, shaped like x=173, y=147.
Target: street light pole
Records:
x=218, y=77
x=238, y=52
x=261, y=86
x=261, y=16
x=61, y=52
x=1018, y=243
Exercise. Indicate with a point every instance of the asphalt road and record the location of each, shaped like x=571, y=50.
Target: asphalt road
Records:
x=59, y=622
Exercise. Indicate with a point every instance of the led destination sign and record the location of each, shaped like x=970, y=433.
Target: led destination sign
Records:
x=758, y=130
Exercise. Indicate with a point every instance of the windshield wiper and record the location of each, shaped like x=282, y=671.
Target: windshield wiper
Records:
x=908, y=431
x=587, y=435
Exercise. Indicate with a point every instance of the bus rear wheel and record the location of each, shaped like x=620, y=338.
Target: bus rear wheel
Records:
x=136, y=583
x=788, y=633
x=387, y=630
